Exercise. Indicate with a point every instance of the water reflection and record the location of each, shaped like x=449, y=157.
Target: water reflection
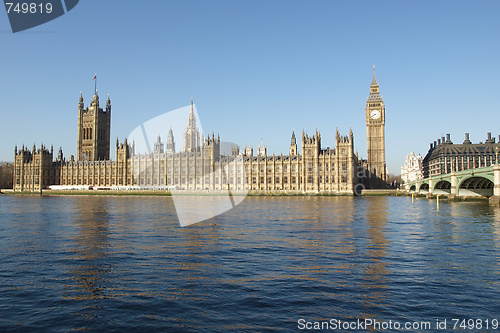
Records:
x=376, y=272
x=495, y=213
x=88, y=259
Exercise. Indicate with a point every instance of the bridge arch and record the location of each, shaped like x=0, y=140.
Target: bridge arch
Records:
x=413, y=188
x=475, y=186
x=442, y=187
x=424, y=188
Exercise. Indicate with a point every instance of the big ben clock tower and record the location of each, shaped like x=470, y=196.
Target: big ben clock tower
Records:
x=375, y=131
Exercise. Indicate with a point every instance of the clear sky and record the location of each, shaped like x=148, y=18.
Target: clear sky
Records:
x=258, y=69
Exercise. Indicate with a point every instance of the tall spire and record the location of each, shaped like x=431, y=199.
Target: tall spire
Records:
x=80, y=102
x=374, y=80
x=192, y=118
x=374, y=88
x=108, y=104
x=191, y=112
x=170, y=145
x=191, y=135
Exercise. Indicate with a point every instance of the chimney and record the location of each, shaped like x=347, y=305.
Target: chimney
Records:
x=490, y=139
x=447, y=138
x=439, y=141
x=467, y=141
x=434, y=144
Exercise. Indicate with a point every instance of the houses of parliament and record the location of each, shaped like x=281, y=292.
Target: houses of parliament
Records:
x=206, y=163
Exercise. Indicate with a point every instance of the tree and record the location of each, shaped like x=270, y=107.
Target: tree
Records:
x=394, y=180
x=6, y=174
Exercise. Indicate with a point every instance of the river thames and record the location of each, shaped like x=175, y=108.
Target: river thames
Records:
x=272, y=264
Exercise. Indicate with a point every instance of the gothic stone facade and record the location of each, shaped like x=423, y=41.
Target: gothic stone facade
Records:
x=316, y=170
x=36, y=169
x=197, y=168
x=202, y=166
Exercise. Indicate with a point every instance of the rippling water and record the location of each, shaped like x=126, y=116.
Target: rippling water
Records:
x=124, y=264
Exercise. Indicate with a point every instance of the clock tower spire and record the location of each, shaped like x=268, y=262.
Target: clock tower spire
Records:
x=375, y=131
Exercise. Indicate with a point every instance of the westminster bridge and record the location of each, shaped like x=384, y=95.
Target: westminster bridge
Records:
x=484, y=182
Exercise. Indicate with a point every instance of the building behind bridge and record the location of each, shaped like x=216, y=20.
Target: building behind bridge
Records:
x=412, y=169
x=444, y=156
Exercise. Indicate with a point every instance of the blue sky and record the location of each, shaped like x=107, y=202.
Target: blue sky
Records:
x=258, y=69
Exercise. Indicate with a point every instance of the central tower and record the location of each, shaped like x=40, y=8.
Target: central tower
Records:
x=375, y=131
x=94, y=127
x=191, y=135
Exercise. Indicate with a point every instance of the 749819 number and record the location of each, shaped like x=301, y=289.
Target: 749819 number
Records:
x=31, y=8
x=477, y=324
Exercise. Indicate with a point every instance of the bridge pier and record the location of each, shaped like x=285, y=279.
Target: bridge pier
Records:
x=454, y=180
x=495, y=199
x=431, y=186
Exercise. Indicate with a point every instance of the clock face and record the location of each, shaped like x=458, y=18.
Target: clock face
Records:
x=375, y=114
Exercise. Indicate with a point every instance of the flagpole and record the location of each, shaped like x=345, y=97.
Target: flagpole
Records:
x=95, y=86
